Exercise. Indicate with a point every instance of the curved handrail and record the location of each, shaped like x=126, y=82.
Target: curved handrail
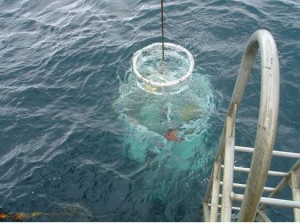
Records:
x=266, y=128
x=268, y=116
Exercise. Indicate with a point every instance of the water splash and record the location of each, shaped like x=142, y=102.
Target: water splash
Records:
x=149, y=118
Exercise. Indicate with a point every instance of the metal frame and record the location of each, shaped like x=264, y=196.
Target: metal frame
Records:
x=163, y=84
x=265, y=135
x=293, y=178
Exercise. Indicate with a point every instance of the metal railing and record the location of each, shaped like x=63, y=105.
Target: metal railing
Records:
x=263, y=146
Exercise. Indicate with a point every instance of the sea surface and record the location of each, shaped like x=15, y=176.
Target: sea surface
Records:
x=66, y=154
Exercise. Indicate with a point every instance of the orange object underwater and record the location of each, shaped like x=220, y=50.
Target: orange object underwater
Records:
x=171, y=135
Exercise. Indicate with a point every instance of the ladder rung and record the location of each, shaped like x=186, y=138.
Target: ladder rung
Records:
x=270, y=201
x=275, y=153
x=233, y=208
x=244, y=186
x=246, y=170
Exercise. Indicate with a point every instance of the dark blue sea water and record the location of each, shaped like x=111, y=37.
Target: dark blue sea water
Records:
x=64, y=149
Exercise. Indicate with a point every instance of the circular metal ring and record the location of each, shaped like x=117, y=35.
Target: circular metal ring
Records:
x=166, y=84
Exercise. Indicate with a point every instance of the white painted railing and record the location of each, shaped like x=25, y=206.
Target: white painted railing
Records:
x=263, y=146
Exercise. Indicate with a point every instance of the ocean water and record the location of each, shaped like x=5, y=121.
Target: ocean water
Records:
x=66, y=154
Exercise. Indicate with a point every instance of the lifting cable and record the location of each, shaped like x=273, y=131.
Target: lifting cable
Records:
x=162, y=29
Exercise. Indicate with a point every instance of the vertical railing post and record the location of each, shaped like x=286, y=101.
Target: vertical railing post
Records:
x=212, y=193
x=215, y=191
x=295, y=187
x=226, y=211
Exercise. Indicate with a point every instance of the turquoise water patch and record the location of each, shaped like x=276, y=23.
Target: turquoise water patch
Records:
x=171, y=127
